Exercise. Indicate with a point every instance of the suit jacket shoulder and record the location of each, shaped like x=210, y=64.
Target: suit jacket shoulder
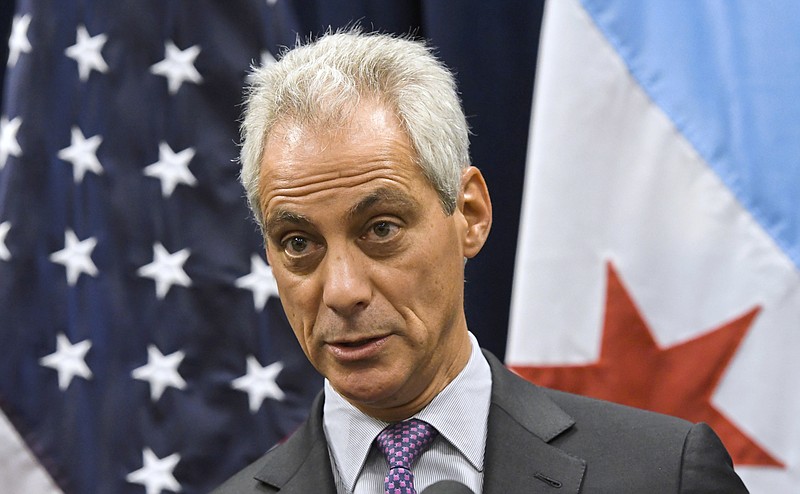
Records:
x=592, y=445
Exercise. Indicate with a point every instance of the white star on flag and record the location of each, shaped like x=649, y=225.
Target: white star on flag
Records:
x=9, y=146
x=68, y=360
x=160, y=371
x=178, y=66
x=82, y=153
x=5, y=255
x=171, y=168
x=156, y=473
x=260, y=281
x=166, y=269
x=86, y=51
x=76, y=256
x=259, y=383
x=18, y=41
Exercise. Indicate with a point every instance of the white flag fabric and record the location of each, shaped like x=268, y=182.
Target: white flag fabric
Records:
x=660, y=235
x=21, y=472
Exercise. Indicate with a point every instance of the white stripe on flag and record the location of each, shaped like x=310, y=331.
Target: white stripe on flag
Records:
x=20, y=473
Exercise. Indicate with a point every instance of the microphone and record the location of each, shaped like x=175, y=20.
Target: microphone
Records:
x=447, y=487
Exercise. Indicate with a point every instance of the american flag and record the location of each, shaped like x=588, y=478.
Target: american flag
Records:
x=143, y=347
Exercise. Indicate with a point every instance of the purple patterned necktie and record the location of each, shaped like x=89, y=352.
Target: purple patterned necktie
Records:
x=401, y=443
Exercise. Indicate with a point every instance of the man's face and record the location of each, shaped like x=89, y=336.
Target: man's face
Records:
x=368, y=265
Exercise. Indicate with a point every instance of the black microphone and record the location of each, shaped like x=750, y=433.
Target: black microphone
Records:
x=447, y=487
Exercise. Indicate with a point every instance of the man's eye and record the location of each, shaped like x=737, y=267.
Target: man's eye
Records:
x=295, y=246
x=382, y=230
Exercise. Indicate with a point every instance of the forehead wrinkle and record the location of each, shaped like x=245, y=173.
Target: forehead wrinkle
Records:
x=300, y=178
x=286, y=186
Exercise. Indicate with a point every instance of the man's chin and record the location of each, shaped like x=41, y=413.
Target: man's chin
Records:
x=367, y=390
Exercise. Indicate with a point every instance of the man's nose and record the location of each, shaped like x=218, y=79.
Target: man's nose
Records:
x=347, y=288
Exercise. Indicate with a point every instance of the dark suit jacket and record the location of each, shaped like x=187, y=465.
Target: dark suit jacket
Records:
x=539, y=441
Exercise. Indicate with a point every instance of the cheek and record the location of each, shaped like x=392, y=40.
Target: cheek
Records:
x=441, y=261
x=432, y=275
x=301, y=326
x=298, y=301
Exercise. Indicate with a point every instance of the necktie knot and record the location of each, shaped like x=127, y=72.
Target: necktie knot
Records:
x=401, y=443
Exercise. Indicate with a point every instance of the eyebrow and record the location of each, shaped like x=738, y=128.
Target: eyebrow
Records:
x=382, y=195
x=282, y=216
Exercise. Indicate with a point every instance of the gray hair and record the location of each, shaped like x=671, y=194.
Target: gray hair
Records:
x=320, y=84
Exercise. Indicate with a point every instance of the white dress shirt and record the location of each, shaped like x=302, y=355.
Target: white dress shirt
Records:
x=460, y=414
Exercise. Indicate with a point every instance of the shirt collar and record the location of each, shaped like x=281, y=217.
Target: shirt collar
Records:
x=459, y=412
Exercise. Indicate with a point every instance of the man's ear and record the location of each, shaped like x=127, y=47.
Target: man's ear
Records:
x=476, y=207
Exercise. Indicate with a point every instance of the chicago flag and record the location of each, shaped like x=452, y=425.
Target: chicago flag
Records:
x=659, y=253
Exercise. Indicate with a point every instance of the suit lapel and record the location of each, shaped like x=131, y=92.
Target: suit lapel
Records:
x=302, y=463
x=522, y=421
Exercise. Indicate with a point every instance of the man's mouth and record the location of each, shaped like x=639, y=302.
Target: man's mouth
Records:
x=358, y=343
x=360, y=349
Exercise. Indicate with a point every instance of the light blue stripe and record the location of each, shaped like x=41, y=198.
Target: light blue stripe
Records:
x=727, y=73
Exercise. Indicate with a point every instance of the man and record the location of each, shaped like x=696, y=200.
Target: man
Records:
x=355, y=162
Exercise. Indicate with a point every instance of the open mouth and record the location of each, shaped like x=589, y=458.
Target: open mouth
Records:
x=358, y=343
x=349, y=351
